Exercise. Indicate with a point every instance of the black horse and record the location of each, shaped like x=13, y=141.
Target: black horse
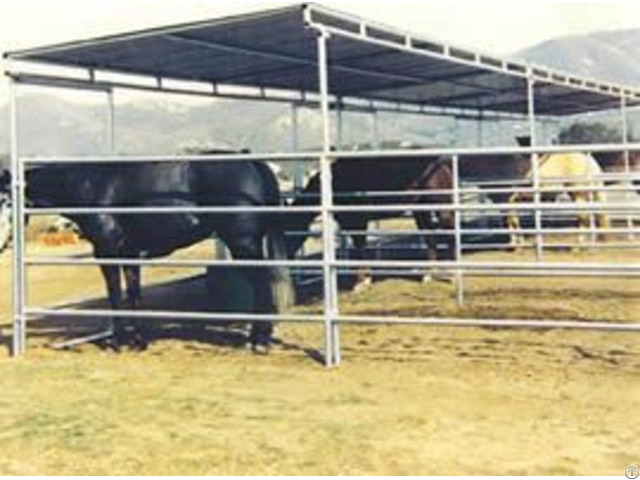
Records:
x=354, y=179
x=221, y=183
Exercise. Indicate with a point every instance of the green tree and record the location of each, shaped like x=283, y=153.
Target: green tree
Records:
x=589, y=132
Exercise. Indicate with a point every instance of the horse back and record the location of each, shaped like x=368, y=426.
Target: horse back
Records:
x=377, y=174
x=572, y=164
x=198, y=183
x=235, y=183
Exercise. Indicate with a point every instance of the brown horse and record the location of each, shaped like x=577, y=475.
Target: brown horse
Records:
x=494, y=172
x=355, y=183
x=618, y=162
x=574, y=169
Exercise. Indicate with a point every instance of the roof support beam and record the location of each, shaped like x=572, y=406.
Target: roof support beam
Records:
x=370, y=61
x=570, y=109
x=478, y=94
x=453, y=79
x=298, y=61
x=408, y=80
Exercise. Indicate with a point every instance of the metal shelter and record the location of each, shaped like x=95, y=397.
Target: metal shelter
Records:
x=278, y=49
x=307, y=55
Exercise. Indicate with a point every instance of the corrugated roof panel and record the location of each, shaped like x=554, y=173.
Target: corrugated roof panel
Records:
x=277, y=49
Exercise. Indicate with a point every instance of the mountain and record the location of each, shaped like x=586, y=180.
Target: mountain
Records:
x=603, y=55
x=53, y=125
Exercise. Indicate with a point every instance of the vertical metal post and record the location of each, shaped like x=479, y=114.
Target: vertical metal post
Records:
x=111, y=123
x=375, y=127
x=339, y=125
x=625, y=129
x=454, y=132
x=375, y=130
x=627, y=167
x=593, y=236
x=17, y=205
x=109, y=325
x=458, y=229
x=535, y=170
x=332, y=341
x=479, y=131
x=494, y=133
x=298, y=167
x=343, y=246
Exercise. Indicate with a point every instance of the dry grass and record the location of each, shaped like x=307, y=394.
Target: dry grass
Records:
x=407, y=400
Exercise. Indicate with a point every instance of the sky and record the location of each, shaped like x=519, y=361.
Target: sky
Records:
x=497, y=27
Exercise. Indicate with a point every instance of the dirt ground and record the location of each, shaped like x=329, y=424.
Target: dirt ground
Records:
x=407, y=400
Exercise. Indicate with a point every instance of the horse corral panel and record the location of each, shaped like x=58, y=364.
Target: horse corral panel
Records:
x=315, y=57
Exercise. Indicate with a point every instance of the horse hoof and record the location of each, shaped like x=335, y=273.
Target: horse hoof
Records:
x=110, y=344
x=427, y=278
x=443, y=277
x=260, y=348
x=362, y=285
x=140, y=345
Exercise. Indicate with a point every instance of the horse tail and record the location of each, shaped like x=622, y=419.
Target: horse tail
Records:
x=282, y=289
x=300, y=222
x=281, y=284
x=599, y=195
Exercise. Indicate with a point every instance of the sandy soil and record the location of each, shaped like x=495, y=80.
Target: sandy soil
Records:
x=407, y=400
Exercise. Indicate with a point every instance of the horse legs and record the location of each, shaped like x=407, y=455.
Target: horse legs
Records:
x=513, y=223
x=602, y=220
x=446, y=221
x=250, y=247
x=107, y=237
x=132, y=281
x=585, y=218
x=111, y=276
x=425, y=222
x=363, y=276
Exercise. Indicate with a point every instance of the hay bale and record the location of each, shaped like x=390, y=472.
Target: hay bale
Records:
x=56, y=239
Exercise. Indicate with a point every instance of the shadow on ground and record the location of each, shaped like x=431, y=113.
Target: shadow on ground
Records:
x=185, y=295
